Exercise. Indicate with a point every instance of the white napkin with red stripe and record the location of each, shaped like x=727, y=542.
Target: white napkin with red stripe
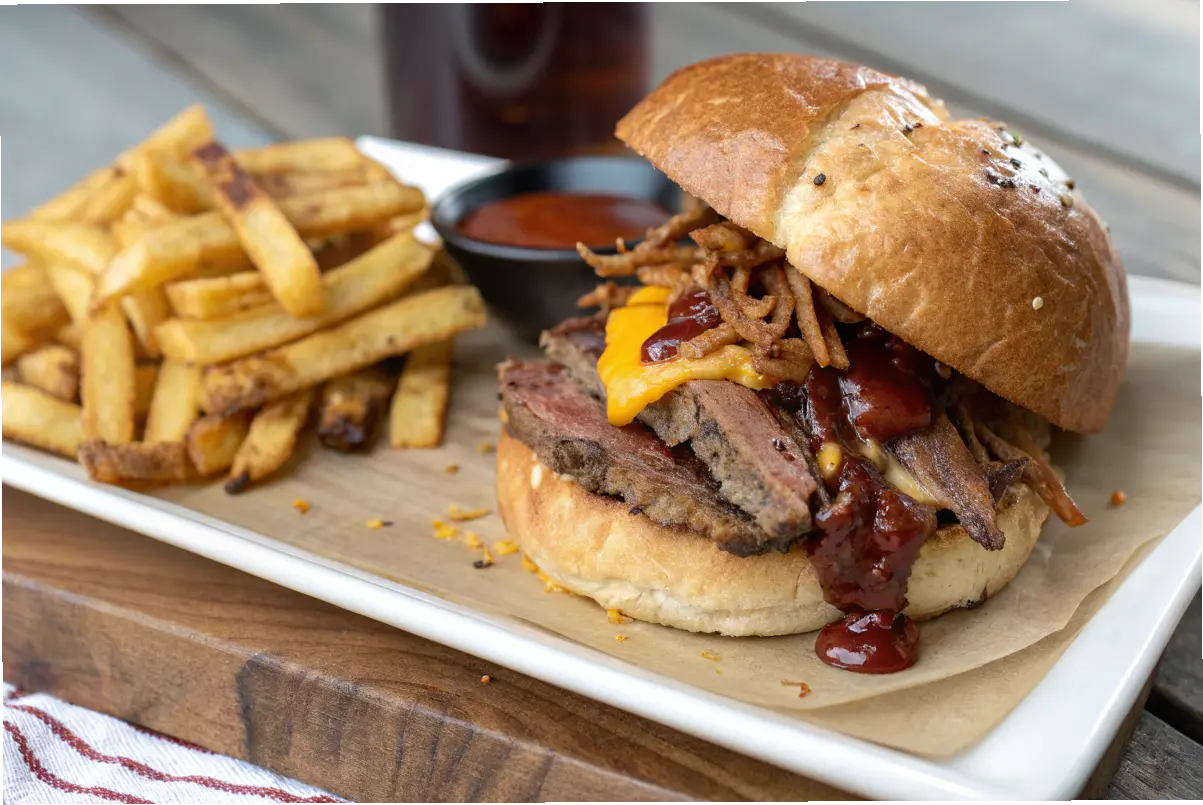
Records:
x=57, y=752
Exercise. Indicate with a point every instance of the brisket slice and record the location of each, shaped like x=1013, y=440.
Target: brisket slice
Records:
x=939, y=460
x=760, y=467
x=568, y=430
x=577, y=344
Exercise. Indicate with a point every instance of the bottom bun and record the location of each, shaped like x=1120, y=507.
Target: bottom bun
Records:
x=593, y=546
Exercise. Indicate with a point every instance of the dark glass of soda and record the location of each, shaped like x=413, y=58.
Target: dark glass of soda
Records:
x=518, y=81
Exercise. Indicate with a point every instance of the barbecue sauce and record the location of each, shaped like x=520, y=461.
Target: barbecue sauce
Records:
x=887, y=388
x=869, y=536
x=688, y=317
x=547, y=220
x=880, y=642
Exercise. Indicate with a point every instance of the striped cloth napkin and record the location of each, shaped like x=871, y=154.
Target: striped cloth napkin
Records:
x=57, y=752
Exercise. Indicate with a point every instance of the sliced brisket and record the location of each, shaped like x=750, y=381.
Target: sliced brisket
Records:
x=760, y=467
x=568, y=430
x=939, y=460
x=577, y=344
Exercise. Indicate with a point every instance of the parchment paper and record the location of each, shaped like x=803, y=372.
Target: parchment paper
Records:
x=1150, y=450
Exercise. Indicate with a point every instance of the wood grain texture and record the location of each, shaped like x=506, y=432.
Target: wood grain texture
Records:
x=1116, y=79
x=1178, y=696
x=114, y=621
x=1159, y=763
x=325, y=75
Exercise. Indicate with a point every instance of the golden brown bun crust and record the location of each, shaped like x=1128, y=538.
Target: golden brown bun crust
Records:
x=594, y=546
x=940, y=243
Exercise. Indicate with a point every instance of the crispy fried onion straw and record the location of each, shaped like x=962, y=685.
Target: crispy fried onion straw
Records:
x=815, y=322
x=657, y=247
x=715, y=338
x=757, y=294
x=1038, y=473
x=607, y=296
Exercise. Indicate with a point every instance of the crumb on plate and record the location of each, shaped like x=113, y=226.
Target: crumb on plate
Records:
x=460, y=515
x=505, y=547
x=616, y=616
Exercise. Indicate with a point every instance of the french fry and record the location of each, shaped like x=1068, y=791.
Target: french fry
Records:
x=393, y=329
x=137, y=463
x=86, y=246
x=175, y=404
x=214, y=297
x=70, y=335
x=371, y=279
x=152, y=210
x=14, y=343
x=177, y=137
x=145, y=311
x=52, y=368
x=109, y=201
x=34, y=417
x=350, y=209
x=350, y=406
x=419, y=408
x=146, y=378
x=170, y=252
x=271, y=440
x=338, y=250
x=293, y=183
x=403, y=223
x=179, y=186
x=267, y=237
x=213, y=441
x=108, y=387
x=74, y=288
x=143, y=215
x=301, y=156
x=182, y=247
x=28, y=302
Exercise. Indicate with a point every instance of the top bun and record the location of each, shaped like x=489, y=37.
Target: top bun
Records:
x=954, y=235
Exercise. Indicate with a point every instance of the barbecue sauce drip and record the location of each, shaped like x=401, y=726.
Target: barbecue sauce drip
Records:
x=887, y=388
x=879, y=642
x=688, y=317
x=870, y=534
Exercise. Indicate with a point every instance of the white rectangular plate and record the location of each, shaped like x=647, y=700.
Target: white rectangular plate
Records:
x=1045, y=749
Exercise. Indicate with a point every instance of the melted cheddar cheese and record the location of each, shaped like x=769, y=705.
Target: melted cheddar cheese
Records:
x=631, y=385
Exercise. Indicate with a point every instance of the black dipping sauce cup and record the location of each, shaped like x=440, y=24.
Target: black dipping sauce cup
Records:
x=534, y=289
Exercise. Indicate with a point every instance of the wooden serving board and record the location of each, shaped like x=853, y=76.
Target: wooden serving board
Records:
x=111, y=620
x=120, y=623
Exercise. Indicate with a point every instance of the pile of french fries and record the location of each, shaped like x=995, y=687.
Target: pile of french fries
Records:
x=183, y=310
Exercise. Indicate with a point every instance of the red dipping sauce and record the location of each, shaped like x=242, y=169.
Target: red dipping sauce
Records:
x=561, y=220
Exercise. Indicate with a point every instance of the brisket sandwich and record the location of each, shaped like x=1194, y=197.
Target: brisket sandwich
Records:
x=828, y=403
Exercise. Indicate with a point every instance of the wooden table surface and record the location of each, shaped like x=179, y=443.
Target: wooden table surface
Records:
x=1109, y=87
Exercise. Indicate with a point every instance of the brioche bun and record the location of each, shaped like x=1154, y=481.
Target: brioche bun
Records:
x=593, y=546
x=949, y=234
